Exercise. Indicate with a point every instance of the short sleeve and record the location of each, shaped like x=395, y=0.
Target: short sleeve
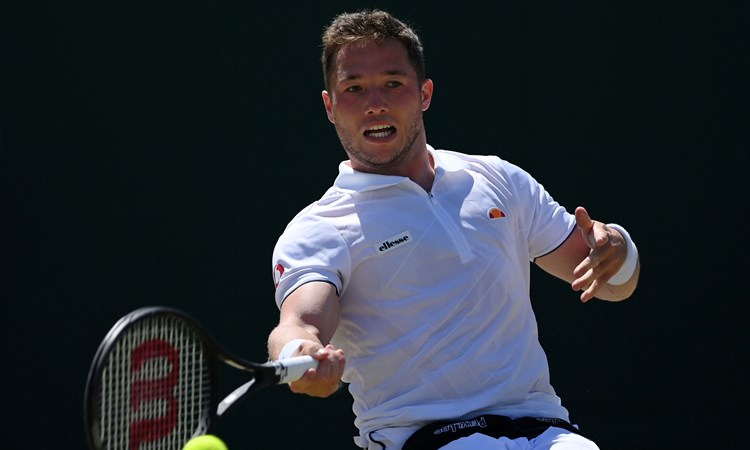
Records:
x=309, y=249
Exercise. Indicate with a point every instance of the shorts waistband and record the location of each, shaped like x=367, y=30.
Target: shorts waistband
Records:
x=437, y=434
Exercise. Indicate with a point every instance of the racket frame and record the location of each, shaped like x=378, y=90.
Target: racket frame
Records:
x=263, y=374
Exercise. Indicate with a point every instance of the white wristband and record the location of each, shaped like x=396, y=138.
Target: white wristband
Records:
x=628, y=267
x=290, y=348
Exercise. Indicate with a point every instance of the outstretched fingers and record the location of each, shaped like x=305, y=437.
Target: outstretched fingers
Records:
x=589, y=271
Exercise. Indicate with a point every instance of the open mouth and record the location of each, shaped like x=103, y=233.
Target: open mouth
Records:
x=380, y=131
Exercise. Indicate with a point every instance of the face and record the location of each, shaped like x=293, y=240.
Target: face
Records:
x=376, y=104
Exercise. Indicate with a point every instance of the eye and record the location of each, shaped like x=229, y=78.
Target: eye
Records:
x=394, y=84
x=353, y=88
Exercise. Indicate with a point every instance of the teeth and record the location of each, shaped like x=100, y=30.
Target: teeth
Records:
x=380, y=131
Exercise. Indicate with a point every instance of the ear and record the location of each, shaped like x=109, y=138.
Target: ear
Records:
x=328, y=102
x=426, y=94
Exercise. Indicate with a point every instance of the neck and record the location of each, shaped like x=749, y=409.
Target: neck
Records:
x=419, y=168
x=424, y=175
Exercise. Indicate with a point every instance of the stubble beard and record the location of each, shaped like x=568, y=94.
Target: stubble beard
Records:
x=372, y=162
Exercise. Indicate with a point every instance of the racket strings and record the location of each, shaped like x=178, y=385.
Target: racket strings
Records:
x=155, y=387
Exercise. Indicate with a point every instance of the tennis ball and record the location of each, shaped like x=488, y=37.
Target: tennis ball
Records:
x=205, y=442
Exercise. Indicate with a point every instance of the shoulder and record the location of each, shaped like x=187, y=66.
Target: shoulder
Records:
x=492, y=166
x=323, y=221
x=319, y=207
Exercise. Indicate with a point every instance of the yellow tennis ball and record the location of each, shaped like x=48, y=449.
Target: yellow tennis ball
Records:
x=205, y=442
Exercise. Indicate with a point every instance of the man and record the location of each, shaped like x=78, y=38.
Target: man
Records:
x=409, y=279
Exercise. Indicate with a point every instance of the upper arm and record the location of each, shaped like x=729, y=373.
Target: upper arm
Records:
x=313, y=306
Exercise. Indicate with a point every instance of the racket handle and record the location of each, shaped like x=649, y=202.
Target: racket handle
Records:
x=292, y=369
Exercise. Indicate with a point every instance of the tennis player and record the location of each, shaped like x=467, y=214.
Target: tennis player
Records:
x=409, y=278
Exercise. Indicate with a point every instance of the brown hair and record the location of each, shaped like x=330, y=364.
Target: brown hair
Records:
x=367, y=26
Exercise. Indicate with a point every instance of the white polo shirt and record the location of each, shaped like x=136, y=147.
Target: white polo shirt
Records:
x=436, y=320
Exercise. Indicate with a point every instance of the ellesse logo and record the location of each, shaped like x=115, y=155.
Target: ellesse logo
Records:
x=495, y=213
x=394, y=242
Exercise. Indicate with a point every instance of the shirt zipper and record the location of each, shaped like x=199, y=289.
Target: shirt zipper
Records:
x=454, y=231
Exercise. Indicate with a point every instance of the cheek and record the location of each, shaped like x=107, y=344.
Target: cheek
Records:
x=342, y=112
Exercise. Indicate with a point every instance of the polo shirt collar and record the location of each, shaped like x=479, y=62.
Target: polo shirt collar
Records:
x=351, y=180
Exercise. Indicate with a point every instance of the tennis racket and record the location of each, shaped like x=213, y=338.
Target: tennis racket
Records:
x=153, y=383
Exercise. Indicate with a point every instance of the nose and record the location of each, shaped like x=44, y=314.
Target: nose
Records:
x=376, y=103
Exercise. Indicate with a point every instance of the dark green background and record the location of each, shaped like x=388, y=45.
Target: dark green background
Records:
x=152, y=153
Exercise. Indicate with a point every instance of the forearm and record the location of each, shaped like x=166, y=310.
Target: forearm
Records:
x=308, y=319
x=311, y=312
x=600, y=260
x=286, y=333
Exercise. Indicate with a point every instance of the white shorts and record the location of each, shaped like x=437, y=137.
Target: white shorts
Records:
x=552, y=439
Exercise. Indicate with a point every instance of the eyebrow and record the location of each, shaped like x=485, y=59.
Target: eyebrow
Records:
x=385, y=72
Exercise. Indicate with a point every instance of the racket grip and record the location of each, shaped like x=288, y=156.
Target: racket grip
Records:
x=292, y=369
